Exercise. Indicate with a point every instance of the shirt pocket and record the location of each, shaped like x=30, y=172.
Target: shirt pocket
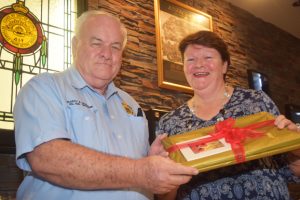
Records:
x=140, y=134
x=82, y=125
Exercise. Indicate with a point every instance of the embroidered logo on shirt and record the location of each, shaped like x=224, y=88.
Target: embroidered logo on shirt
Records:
x=127, y=108
x=78, y=103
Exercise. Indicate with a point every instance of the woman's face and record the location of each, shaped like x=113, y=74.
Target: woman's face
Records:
x=203, y=67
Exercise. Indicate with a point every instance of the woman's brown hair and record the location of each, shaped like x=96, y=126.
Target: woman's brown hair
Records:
x=207, y=39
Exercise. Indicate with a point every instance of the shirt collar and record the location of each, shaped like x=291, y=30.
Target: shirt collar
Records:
x=76, y=79
x=79, y=83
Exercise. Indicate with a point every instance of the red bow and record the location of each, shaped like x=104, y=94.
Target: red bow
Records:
x=234, y=136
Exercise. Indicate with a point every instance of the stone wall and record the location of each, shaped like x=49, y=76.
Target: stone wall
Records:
x=253, y=43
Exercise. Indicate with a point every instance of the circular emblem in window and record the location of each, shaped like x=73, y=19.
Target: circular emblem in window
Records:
x=18, y=30
x=21, y=34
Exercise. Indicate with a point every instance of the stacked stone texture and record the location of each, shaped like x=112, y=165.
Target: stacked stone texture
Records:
x=253, y=43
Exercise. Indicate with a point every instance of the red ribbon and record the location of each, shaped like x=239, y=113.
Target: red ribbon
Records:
x=234, y=136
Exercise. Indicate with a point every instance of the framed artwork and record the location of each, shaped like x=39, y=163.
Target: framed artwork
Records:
x=204, y=150
x=173, y=21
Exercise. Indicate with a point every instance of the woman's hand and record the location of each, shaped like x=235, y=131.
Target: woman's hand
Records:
x=157, y=148
x=282, y=122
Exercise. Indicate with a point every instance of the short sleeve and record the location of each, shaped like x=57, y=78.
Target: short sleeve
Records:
x=39, y=116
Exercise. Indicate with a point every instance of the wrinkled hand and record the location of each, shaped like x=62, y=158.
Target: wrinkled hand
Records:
x=281, y=122
x=157, y=148
x=161, y=175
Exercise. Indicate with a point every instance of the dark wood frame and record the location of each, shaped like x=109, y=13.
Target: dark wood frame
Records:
x=7, y=142
x=153, y=116
x=82, y=5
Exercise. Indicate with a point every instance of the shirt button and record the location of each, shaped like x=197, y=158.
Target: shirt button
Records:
x=86, y=118
x=119, y=136
x=112, y=117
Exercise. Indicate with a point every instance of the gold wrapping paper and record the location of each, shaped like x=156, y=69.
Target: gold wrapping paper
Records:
x=273, y=141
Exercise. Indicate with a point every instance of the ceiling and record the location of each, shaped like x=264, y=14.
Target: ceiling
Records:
x=281, y=13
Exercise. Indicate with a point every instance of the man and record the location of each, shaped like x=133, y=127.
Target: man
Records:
x=79, y=136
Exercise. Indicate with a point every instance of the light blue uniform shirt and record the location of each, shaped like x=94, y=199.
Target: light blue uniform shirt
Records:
x=62, y=105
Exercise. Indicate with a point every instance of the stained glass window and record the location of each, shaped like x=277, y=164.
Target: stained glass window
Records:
x=52, y=54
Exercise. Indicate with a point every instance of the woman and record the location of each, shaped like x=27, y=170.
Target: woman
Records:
x=206, y=60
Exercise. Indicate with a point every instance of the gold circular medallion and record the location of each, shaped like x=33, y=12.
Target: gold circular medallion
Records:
x=18, y=30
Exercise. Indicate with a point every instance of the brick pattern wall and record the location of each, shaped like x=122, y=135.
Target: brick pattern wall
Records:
x=253, y=43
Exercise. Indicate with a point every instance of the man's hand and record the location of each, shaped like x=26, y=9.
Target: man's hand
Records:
x=157, y=148
x=161, y=175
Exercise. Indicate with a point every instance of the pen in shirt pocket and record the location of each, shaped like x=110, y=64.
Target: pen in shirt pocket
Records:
x=139, y=112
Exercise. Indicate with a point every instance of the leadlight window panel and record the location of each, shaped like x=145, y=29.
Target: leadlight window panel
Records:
x=58, y=20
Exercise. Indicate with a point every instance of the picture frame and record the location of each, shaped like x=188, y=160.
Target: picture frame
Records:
x=173, y=21
x=204, y=150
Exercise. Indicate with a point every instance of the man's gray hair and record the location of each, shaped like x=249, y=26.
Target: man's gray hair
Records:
x=86, y=15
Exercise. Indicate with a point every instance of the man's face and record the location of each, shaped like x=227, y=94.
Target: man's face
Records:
x=98, y=51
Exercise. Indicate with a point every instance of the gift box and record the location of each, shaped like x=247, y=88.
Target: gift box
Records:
x=231, y=141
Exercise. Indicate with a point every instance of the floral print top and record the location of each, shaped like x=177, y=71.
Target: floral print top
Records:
x=259, y=179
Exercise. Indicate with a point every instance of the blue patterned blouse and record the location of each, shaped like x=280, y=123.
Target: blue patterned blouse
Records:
x=264, y=179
